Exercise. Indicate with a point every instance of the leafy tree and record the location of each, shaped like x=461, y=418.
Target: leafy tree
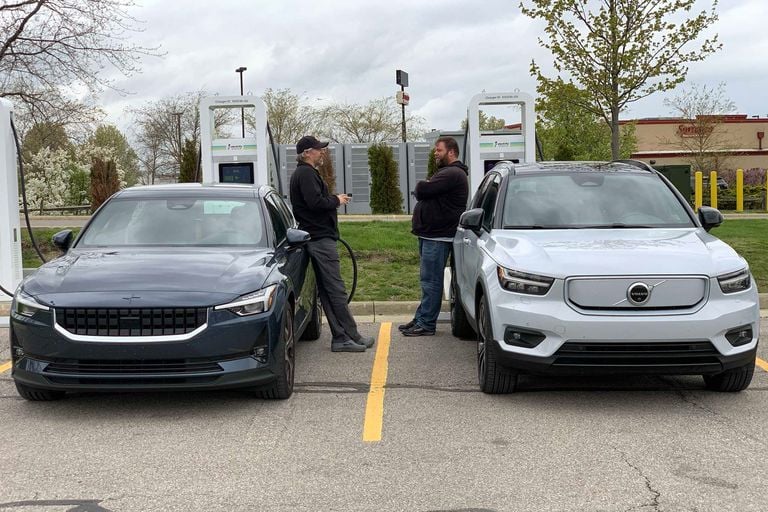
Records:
x=188, y=173
x=104, y=181
x=47, y=186
x=44, y=135
x=487, y=123
x=569, y=132
x=620, y=50
x=385, y=192
x=702, y=133
x=379, y=120
x=109, y=136
x=327, y=173
x=289, y=118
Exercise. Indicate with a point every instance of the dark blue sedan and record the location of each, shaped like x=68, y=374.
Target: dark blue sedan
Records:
x=169, y=287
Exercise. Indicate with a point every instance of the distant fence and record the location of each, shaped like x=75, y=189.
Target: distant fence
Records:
x=84, y=209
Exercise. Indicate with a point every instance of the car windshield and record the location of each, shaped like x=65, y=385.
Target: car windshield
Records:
x=582, y=200
x=178, y=221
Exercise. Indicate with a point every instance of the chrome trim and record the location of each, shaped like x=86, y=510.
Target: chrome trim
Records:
x=128, y=339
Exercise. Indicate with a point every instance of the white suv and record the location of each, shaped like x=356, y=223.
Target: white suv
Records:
x=567, y=268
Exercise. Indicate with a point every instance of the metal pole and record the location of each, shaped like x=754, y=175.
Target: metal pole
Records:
x=178, y=134
x=242, y=110
x=402, y=88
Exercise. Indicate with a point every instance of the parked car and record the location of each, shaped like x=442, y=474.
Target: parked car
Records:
x=721, y=183
x=169, y=287
x=574, y=268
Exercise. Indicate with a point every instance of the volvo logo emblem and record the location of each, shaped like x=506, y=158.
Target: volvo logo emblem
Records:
x=638, y=293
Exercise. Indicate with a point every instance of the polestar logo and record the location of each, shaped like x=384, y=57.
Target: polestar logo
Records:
x=130, y=299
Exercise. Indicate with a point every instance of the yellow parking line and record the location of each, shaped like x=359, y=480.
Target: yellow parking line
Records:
x=762, y=364
x=5, y=366
x=374, y=407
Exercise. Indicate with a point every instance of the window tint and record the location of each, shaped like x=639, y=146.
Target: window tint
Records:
x=177, y=221
x=477, y=201
x=279, y=225
x=489, y=201
x=592, y=199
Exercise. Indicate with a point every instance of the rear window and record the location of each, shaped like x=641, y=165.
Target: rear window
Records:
x=177, y=221
x=592, y=200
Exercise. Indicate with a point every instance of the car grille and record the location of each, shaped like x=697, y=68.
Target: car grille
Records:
x=697, y=353
x=130, y=322
x=131, y=367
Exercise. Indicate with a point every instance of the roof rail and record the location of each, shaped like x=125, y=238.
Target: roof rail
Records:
x=636, y=163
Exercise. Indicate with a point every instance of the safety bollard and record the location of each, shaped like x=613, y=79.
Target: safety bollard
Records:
x=739, y=190
x=713, y=189
x=698, y=195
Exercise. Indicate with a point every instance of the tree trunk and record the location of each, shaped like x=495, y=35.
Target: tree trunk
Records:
x=615, y=131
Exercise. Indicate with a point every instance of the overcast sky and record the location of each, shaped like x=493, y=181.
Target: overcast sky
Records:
x=344, y=50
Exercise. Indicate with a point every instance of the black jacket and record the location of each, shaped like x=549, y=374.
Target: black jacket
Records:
x=313, y=205
x=441, y=201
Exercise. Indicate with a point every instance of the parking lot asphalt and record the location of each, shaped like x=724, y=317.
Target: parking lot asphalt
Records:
x=613, y=444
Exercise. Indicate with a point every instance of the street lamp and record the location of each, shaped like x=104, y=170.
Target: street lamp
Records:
x=178, y=133
x=242, y=111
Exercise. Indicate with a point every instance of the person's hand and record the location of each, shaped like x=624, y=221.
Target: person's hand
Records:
x=343, y=199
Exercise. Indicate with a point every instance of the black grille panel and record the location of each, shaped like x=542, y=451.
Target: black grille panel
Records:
x=131, y=367
x=636, y=354
x=130, y=322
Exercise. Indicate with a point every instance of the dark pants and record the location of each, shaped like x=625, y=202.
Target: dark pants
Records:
x=433, y=256
x=333, y=296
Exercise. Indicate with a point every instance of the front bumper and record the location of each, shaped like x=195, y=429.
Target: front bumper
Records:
x=229, y=352
x=582, y=343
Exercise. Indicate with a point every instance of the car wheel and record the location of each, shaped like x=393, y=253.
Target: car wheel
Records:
x=736, y=379
x=314, y=327
x=493, y=378
x=460, y=326
x=285, y=361
x=37, y=394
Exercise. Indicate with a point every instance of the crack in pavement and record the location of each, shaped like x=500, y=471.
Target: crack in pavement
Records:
x=648, y=485
x=364, y=387
x=79, y=505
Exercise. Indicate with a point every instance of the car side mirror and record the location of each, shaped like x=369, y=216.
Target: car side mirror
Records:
x=296, y=236
x=710, y=217
x=63, y=239
x=472, y=219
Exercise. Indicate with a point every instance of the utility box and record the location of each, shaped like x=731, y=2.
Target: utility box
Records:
x=679, y=175
x=10, y=230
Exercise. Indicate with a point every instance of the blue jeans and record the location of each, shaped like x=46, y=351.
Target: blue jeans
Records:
x=434, y=256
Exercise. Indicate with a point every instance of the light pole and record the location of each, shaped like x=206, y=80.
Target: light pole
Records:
x=242, y=111
x=178, y=134
x=401, y=79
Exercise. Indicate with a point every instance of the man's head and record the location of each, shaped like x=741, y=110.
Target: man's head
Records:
x=310, y=150
x=446, y=151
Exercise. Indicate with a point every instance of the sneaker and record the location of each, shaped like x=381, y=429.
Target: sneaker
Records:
x=403, y=327
x=418, y=330
x=347, y=346
x=366, y=341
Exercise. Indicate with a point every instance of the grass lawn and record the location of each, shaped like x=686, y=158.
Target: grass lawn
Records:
x=388, y=259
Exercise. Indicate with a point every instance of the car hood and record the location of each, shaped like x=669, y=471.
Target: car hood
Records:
x=149, y=277
x=564, y=253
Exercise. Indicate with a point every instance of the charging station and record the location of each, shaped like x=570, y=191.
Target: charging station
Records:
x=486, y=149
x=11, y=270
x=236, y=159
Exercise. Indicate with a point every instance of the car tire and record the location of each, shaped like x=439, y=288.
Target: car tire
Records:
x=314, y=327
x=285, y=361
x=733, y=380
x=37, y=394
x=460, y=326
x=493, y=378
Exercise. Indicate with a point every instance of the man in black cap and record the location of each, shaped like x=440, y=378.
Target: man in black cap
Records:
x=315, y=209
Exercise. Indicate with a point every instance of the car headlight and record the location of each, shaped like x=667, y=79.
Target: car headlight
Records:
x=252, y=303
x=735, y=281
x=521, y=282
x=26, y=305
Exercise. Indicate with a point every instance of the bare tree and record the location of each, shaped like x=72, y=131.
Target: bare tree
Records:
x=702, y=132
x=48, y=45
x=377, y=121
x=289, y=116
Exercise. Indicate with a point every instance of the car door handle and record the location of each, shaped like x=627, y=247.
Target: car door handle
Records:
x=465, y=240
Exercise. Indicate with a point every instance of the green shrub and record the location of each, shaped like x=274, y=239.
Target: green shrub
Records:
x=385, y=192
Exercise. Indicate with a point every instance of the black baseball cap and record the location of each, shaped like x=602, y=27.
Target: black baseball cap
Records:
x=308, y=142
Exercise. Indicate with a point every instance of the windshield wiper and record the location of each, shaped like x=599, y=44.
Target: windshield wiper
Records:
x=534, y=226
x=615, y=225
